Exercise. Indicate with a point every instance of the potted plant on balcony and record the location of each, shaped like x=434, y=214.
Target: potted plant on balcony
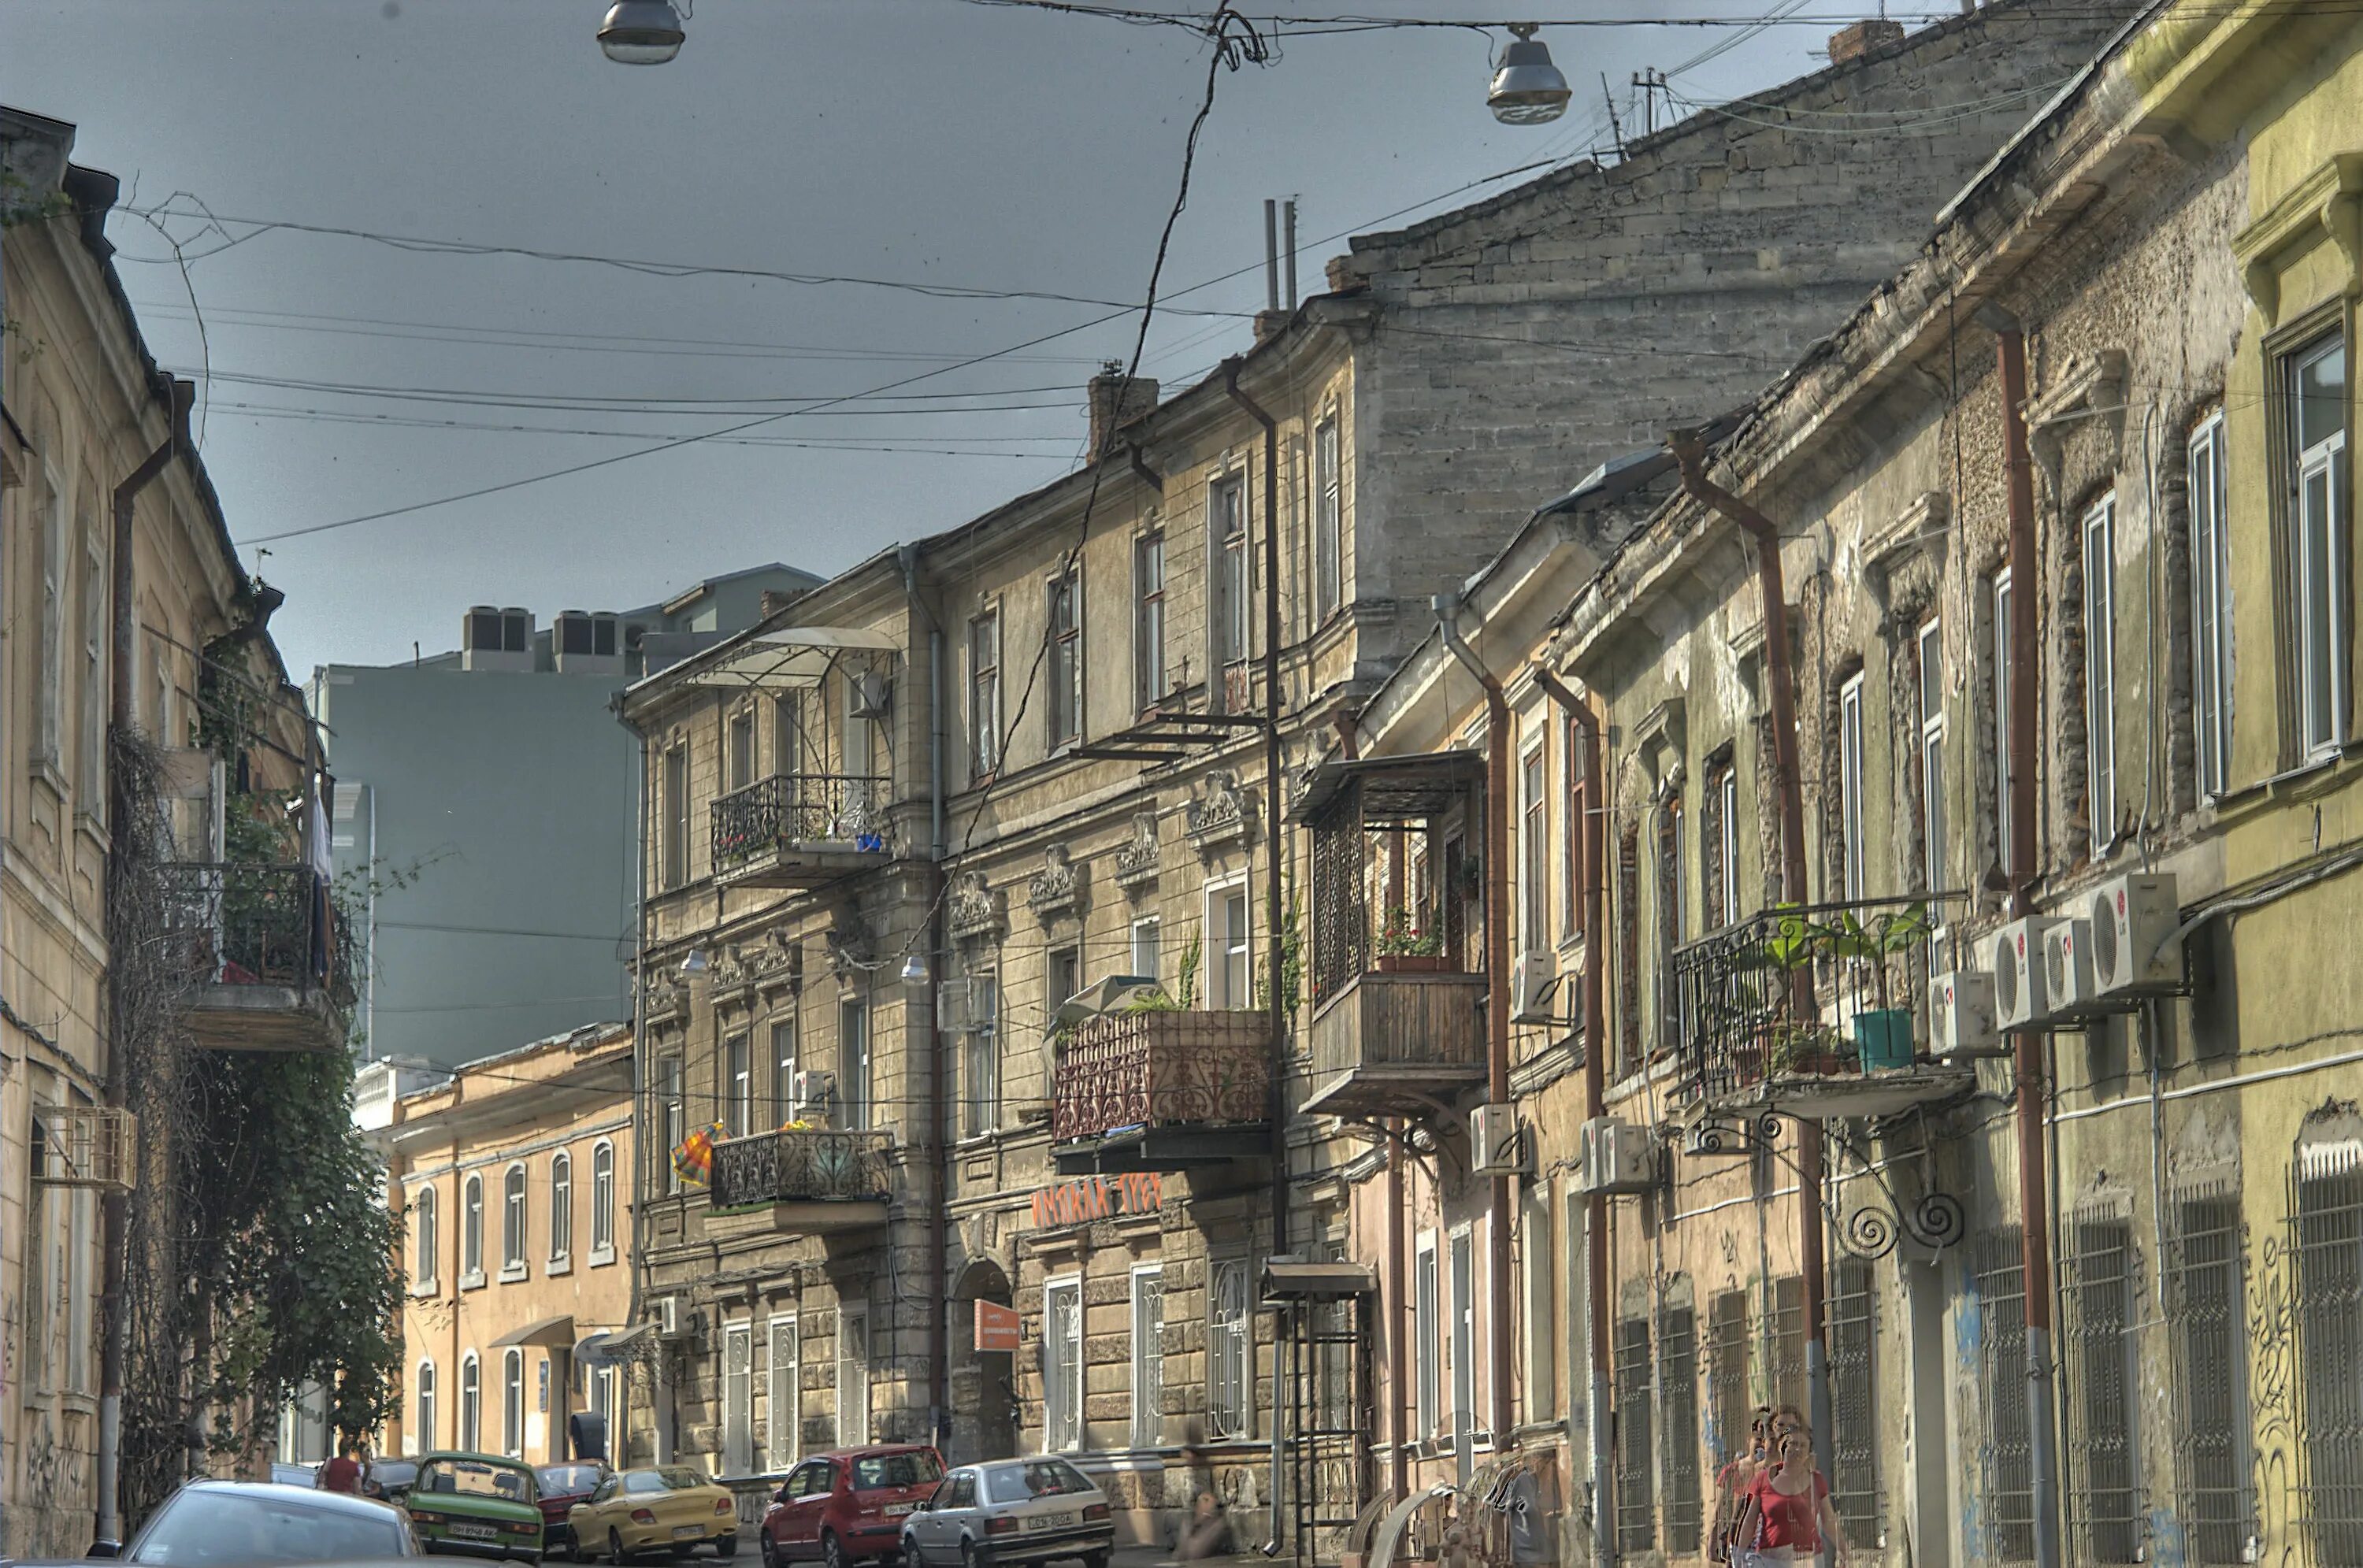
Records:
x=1404, y=948
x=1882, y=1035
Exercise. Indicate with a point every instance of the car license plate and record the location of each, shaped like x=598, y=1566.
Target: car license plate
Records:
x=896, y=1510
x=475, y=1531
x=1049, y=1521
x=687, y=1532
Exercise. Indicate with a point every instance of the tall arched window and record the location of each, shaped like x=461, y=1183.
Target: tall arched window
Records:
x=471, y=1404
x=425, y=1241
x=513, y=1218
x=513, y=1403
x=423, y=1438
x=603, y=1202
x=472, y=1231
x=562, y=1206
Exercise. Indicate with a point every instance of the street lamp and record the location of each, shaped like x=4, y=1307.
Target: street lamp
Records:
x=641, y=32
x=1528, y=90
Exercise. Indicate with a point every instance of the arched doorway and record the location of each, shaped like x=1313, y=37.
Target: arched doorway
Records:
x=983, y=1384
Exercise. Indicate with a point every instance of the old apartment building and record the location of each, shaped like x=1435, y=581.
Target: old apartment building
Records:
x=2015, y=1036
x=900, y=834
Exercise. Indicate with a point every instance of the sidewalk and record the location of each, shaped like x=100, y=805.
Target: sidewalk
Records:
x=1162, y=1557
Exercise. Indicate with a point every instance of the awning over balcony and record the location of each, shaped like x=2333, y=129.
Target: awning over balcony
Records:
x=607, y=1347
x=553, y=1332
x=792, y=656
x=1391, y=788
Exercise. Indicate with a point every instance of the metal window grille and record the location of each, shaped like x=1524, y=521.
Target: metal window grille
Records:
x=1628, y=947
x=1789, y=1383
x=2104, y=1516
x=1998, y=1280
x=1727, y=1338
x=2206, y=1315
x=2326, y=1244
x=1854, y=1403
x=1677, y=1403
x=1635, y=1502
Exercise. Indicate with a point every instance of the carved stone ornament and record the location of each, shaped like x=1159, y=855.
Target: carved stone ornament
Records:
x=1055, y=890
x=972, y=909
x=1136, y=859
x=668, y=998
x=779, y=963
x=1221, y=812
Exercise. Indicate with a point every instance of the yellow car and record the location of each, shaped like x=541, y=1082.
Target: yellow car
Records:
x=670, y=1508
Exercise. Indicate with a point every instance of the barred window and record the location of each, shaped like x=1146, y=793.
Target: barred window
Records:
x=1637, y=1524
x=1854, y=1401
x=2326, y=1217
x=1789, y=1383
x=1998, y=1280
x=1678, y=1402
x=2096, y=1272
x=2207, y=1317
x=1728, y=1334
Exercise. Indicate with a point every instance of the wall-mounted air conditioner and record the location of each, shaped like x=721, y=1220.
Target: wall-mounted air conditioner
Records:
x=871, y=697
x=1616, y=1156
x=2134, y=920
x=1961, y=1014
x=668, y=1317
x=1533, y=981
x=956, y=1006
x=812, y=1088
x=2014, y=958
x=2068, y=972
x=1496, y=1145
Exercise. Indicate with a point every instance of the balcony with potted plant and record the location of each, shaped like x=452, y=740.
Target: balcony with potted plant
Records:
x=1155, y=1083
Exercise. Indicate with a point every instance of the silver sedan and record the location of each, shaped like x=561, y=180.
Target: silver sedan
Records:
x=1011, y=1510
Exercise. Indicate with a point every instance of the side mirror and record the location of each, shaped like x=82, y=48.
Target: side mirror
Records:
x=104, y=1549
x=781, y=1494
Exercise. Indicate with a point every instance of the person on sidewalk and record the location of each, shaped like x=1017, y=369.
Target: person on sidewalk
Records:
x=342, y=1473
x=1731, y=1487
x=1787, y=1516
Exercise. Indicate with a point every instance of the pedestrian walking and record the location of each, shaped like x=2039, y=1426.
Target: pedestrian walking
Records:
x=342, y=1473
x=1731, y=1486
x=1786, y=1517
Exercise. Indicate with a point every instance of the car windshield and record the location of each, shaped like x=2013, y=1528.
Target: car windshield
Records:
x=1036, y=1478
x=567, y=1479
x=896, y=1470
x=478, y=1478
x=205, y=1525
x=681, y=1477
x=672, y=1478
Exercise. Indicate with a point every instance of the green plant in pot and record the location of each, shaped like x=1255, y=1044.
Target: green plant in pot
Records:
x=1403, y=945
x=1882, y=1035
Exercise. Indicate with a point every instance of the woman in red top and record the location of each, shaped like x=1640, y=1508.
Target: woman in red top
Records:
x=1787, y=1516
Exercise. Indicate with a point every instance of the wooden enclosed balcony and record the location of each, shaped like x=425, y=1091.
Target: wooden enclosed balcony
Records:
x=262, y=951
x=1161, y=1091
x=799, y=1181
x=797, y=830
x=1398, y=1044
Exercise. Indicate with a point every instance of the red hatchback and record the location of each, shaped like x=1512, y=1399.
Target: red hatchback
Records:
x=839, y=1508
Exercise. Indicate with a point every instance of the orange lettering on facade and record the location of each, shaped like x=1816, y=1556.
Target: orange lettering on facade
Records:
x=1098, y=1197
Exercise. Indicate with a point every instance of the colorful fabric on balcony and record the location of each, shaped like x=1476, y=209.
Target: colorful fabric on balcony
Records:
x=693, y=1159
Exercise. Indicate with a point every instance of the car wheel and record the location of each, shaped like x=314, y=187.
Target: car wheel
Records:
x=575, y=1550
x=616, y=1548
x=832, y=1552
x=1095, y=1560
x=727, y=1547
x=974, y=1556
x=769, y=1549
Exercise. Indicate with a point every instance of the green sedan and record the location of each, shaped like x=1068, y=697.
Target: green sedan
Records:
x=480, y=1503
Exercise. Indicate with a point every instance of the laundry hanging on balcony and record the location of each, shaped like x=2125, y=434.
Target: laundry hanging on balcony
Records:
x=693, y=1159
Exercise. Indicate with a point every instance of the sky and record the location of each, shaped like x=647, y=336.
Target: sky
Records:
x=943, y=143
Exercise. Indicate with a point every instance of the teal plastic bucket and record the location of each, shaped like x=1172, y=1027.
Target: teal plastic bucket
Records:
x=1883, y=1037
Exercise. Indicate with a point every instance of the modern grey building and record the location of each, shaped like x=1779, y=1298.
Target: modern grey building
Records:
x=485, y=815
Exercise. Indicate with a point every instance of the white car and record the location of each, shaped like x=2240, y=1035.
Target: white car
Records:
x=1011, y=1510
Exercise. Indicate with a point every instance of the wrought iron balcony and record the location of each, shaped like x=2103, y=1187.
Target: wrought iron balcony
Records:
x=262, y=947
x=800, y=1181
x=1815, y=1013
x=1398, y=1042
x=793, y=830
x=1161, y=1091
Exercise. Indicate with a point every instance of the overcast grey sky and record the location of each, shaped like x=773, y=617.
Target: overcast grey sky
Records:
x=914, y=140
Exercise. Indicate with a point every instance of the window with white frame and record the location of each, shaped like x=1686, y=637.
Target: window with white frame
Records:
x=1726, y=846
x=783, y=1070
x=1572, y=832
x=1426, y=1343
x=2211, y=607
x=1328, y=521
x=674, y=867
x=425, y=1239
x=2317, y=423
x=738, y=1398
x=1065, y=620
x=421, y=1439
x=784, y=1396
x=1148, y=621
x=1149, y=947
x=980, y=1070
x=2003, y=637
x=513, y=1219
x=788, y=733
x=513, y=1403
x=1534, y=850
x=853, y=1059
x=676, y=1117
x=1148, y=1356
x=603, y=1201
x=1063, y=1364
x=742, y=748
x=739, y=1084
x=2101, y=671
x=984, y=693
x=1540, y=1302
x=1230, y=1351
x=46, y=744
x=562, y=1206
x=1851, y=775
x=1230, y=977
x=852, y=1376
x=471, y=1404
x=471, y=1229
x=1933, y=840
x=1226, y=530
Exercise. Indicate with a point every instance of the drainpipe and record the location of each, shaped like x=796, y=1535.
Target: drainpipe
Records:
x=1500, y=752
x=938, y=1243
x=1593, y=840
x=115, y=1209
x=1690, y=452
x=2010, y=352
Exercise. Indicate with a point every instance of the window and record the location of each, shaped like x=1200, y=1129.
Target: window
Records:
x=2101, y=672
x=783, y=1070
x=39, y=1320
x=2208, y=1314
x=424, y=1242
x=1678, y=1384
x=1148, y=621
x=788, y=733
x=738, y=1085
x=1850, y=802
x=82, y=1240
x=1854, y=1409
x=852, y=1376
x=1148, y=1357
x=742, y=748
x=984, y=694
x=1227, y=529
x=472, y=1231
x=1231, y=969
x=562, y=1206
x=1328, y=521
x=472, y=1406
x=2105, y=1517
x=2002, y=637
x=2317, y=423
x=737, y=1398
x=91, y=786
x=1669, y=920
x=1998, y=1278
x=982, y=1048
x=603, y=1202
x=1148, y=947
x=422, y=1438
x=1062, y=977
x=676, y=1118
x=513, y=1219
x=1066, y=619
x=1461, y=1263
x=1728, y=1337
x=513, y=1403
x=1577, y=1327
x=1534, y=860
x=1063, y=1364
x=1931, y=643
x=853, y=1059
x=601, y=1398
x=47, y=745
x=2327, y=1279
x=1427, y=1383
x=1535, y=1270
x=2211, y=607
x=1230, y=1350
x=1637, y=1524
x=674, y=869
x=784, y=1396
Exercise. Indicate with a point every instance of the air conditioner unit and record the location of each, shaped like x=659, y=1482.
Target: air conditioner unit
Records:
x=873, y=694
x=1617, y=1157
x=1533, y=980
x=812, y=1088
x=1496, y=1145
x=2068, y=972
x=2014, y=958
x=1961, y=1014
x=668, y=1317
x=2134, y=920
x=955, y=1007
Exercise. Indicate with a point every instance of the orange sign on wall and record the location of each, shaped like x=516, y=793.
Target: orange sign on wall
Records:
x=1098, y=1197
x=996, y=1327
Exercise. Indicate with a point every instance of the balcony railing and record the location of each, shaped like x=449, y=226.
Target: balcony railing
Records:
x=1164, y=1089
x=1815, y=1011
x=799, y=818
x=261, y=943
x=1398, y=1042
x=799, y=1165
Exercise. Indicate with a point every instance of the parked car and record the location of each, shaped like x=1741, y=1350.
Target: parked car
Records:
x=562, y=1487
x=285, y=1474
x=843, y=1507
x=481, y=1503
x=208, y=1522
x=668, y=1508
x=1011, y=1510
x=389, y=1480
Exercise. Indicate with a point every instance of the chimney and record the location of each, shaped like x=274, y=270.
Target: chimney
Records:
x=1116, y=401
x=1854, y=42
